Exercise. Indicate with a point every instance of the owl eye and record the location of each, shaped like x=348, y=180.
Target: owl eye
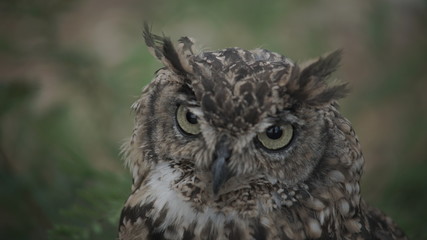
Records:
x=276, y=136
x=187, y=121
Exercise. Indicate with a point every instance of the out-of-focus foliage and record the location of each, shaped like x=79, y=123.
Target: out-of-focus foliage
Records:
x=69, y=71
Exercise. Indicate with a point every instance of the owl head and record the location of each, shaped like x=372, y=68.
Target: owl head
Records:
x=233, y=115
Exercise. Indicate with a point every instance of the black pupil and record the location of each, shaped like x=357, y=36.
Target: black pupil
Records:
x=191, y=118
x=274, y=132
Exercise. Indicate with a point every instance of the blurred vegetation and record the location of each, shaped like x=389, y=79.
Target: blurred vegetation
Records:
x=71, y=69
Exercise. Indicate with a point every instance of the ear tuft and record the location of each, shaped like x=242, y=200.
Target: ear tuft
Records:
x=163, y=49
x=322, y=68
x=309, y=84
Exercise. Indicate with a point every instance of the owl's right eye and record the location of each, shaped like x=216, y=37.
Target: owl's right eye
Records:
x=187, y=121
x=276, y=136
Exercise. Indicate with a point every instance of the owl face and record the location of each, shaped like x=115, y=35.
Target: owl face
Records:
x=280, y=144
x=234, y=113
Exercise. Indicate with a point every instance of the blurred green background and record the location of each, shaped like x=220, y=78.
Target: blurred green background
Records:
x=69, y=71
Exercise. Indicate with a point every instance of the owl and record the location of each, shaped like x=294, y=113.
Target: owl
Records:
x=239, y=144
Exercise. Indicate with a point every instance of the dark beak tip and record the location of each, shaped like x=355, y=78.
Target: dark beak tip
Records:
x=215, y=189
x=220, y=171
x=219, y=174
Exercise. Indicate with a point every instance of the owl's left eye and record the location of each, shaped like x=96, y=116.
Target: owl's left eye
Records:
x=187, y=121
x=276, y=137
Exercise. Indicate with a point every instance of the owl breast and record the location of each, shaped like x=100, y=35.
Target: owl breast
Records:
x=178, y=201
x=167, y=204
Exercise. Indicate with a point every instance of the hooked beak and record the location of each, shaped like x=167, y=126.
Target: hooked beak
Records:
x=220, y=171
